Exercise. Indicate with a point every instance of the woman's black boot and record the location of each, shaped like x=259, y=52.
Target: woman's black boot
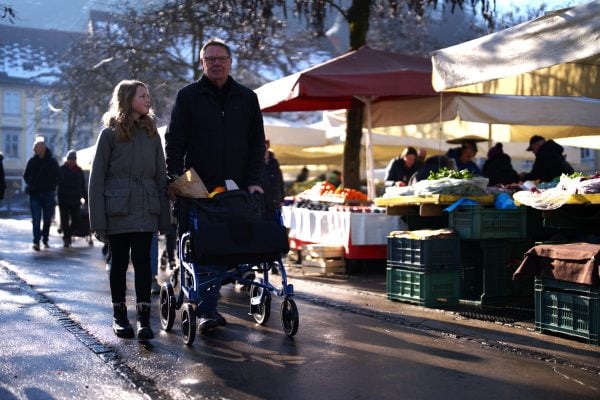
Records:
x=144, y=332
x=120, y=325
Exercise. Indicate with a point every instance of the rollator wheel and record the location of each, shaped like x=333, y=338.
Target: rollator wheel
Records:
x=188, y=324
x=289, y=316
x=261, y=311
x=167, y=306
x=174, y=277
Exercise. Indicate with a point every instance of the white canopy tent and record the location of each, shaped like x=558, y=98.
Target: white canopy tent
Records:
x=288, y=139
x=567, y=39
x=554, y=55
x=389, y=141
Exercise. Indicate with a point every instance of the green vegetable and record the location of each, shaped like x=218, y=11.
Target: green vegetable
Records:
x=450, y=173
x=576, y=175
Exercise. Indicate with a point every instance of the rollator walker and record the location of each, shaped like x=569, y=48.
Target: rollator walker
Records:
x=224, y=239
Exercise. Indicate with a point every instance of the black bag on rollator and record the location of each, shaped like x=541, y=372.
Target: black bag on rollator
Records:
x=231, y=229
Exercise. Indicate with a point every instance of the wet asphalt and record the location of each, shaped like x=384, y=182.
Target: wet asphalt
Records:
x=56, y=343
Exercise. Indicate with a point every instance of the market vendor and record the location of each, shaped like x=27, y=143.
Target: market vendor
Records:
x=498, y=167
x=550, y=161
x=463, y=156
x=401, y=168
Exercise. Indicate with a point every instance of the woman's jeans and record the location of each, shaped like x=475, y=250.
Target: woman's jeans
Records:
x=42, y=206
x=138, y=243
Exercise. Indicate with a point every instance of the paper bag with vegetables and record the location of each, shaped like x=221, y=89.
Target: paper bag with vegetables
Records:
x=189, y=185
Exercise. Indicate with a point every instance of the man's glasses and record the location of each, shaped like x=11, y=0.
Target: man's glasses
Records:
x=213, y=60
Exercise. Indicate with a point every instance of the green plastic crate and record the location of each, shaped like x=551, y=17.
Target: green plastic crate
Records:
x=580, y=219
x=476, y=222
x=568, y=308
x=486, y=271
x=417, y=222
x=429, y=289
x=425, y=254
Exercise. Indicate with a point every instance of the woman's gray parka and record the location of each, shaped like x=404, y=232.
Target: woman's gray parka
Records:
x=127, y=189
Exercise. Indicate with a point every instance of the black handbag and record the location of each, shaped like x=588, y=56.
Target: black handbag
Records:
x=231, y=229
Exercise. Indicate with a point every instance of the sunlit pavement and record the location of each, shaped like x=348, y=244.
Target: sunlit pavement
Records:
x=350, y=343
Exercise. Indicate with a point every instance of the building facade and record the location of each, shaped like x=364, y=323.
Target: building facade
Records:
x=29, y=68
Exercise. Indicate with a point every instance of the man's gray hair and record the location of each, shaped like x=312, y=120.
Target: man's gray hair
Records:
x=215, y=42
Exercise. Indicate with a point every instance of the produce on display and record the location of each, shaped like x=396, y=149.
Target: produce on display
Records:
x=552, y=198
x=325, y=191
x=450, y=173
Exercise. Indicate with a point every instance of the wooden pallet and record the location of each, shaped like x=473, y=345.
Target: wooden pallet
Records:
x=324, y=266
x=322, y=251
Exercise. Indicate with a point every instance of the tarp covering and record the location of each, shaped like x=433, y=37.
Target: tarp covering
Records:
x=551, y=117
x=333, y=84
x=389, y=141
x=288, y=139
x=554, y=55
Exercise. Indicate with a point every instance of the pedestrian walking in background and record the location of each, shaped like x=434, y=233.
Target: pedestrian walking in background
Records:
x=41, y=176
x=168, y=255
x=272, y=179
x=2, y=178
x=71, y=190
x=498, y=167
x=217, y=128
x=127, y=198
x=154, y=286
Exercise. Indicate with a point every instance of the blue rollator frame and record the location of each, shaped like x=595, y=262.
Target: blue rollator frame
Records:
x=200, y=284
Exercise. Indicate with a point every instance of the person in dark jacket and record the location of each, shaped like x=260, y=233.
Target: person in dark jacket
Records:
x=127, y=198
x=498, y=167
x=463, y=156
x=401, y=168
x=41, y=176
x=549, y=161
x=217, y=128
x=302, y=175
x=2, y=178
x=272, y=179
x=71, y=190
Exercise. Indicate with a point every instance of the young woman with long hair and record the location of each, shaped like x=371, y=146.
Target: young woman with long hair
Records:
x=127, y=198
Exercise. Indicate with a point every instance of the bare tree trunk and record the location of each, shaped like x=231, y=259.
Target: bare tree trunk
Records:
x=358, y=19
x=351, y=157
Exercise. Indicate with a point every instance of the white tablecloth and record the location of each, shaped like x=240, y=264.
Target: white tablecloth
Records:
x=338, y=227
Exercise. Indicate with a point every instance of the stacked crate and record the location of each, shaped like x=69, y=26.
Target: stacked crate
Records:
x=488, y=239
x=323, y=259
x=424, y=271
x=568, y=308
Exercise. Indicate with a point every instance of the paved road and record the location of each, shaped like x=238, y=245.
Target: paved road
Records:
x=339, y=352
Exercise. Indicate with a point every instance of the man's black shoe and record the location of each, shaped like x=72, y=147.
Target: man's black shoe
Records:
x=221, y=321
x=46, y=245
x=206, y=323
x=36, y=246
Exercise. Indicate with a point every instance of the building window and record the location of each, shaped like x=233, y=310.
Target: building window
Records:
x=587, y=154
x=11, y=142
x=12, y=102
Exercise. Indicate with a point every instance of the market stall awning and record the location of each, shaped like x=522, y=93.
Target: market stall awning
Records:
x=551, y=117
x=554, y=55
x=288, y=139
x=390, y=141
x=335, y=83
